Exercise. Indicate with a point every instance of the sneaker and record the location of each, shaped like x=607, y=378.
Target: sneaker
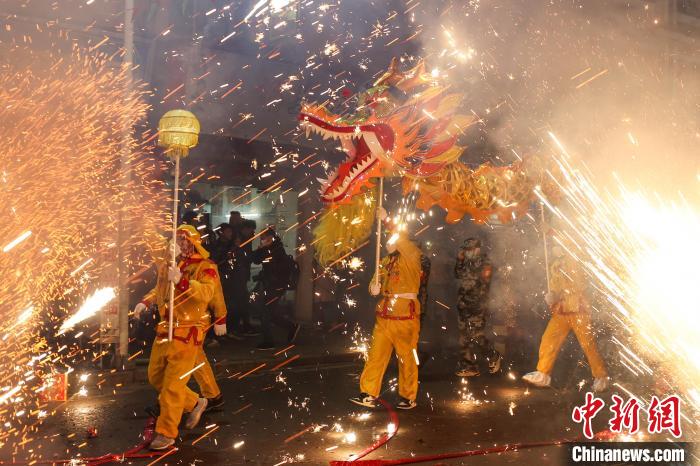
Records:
x=293, y=332
x=196, y=414
x=213, y=343
x=601, y=384
x=538, y=379
x=265, y=346
x=365, y=400
x=495, y=364
x=405, y=403
x=468, y=371
x=216, y=402
x=161, y=442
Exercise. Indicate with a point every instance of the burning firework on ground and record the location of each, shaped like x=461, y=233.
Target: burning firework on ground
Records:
x=70, y=174
x=94, y=303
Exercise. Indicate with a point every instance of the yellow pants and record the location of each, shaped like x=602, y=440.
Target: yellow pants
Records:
x=389, y=336
x=169, y=362
x=205, y=376
x=555, y=334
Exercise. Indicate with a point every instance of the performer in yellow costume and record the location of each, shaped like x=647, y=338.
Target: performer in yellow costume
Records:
x=204, y=376
x=570, y=312
x=196, y=282
x=397, y=325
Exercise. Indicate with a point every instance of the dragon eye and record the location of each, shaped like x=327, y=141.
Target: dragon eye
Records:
x=414, y=160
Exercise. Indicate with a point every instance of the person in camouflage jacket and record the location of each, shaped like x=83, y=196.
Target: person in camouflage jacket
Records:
x=473, y=271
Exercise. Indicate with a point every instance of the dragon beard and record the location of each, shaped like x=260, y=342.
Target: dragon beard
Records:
x=344, y=228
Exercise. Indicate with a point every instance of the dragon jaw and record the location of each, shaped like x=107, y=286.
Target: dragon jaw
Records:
x=368, y=146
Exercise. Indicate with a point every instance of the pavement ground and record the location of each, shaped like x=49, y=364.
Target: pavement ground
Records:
x=299, y=413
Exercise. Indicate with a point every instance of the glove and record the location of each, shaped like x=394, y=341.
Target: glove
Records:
x=382, y=214
x=174, y=274
x=550, y=299
x=219, y=330
x=375, y=288
x=140, y=307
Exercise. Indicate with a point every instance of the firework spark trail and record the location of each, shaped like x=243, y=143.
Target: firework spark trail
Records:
x=94, y=303
x=642, y=252
x=64, y=139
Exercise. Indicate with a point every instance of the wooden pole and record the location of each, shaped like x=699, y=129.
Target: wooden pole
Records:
x=378, y=249
x=173, y=247
x=544, y=241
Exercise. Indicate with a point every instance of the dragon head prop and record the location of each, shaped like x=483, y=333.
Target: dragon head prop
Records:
x=405, y=125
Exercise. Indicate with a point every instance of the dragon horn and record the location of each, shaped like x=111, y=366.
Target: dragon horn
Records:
x=413, y=78
x=392, y=75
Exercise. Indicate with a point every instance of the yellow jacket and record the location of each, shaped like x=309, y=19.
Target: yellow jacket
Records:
x=399, y=274
x=568, y=284
x=198, y=289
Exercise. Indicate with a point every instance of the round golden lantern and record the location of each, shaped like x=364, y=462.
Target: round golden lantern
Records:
x=178, y=132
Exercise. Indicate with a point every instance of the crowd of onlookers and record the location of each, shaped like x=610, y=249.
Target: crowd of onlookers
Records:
x=231, y=247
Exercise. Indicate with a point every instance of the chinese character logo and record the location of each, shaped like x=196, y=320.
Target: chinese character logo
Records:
x=625, y=416
x=585, y=414
x=663, y=415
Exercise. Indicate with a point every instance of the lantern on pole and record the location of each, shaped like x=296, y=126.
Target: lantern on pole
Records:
x=178, y=132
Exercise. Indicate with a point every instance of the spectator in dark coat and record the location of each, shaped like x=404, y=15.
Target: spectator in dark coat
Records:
x=272, y=285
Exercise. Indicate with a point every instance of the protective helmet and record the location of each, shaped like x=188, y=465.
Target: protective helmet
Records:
x=195, y=238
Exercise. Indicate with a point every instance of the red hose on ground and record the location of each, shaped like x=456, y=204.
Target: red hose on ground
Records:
x=148, y=432
x=383, y=440
x=445, y=456
x=603, y=435
x=110, y=457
